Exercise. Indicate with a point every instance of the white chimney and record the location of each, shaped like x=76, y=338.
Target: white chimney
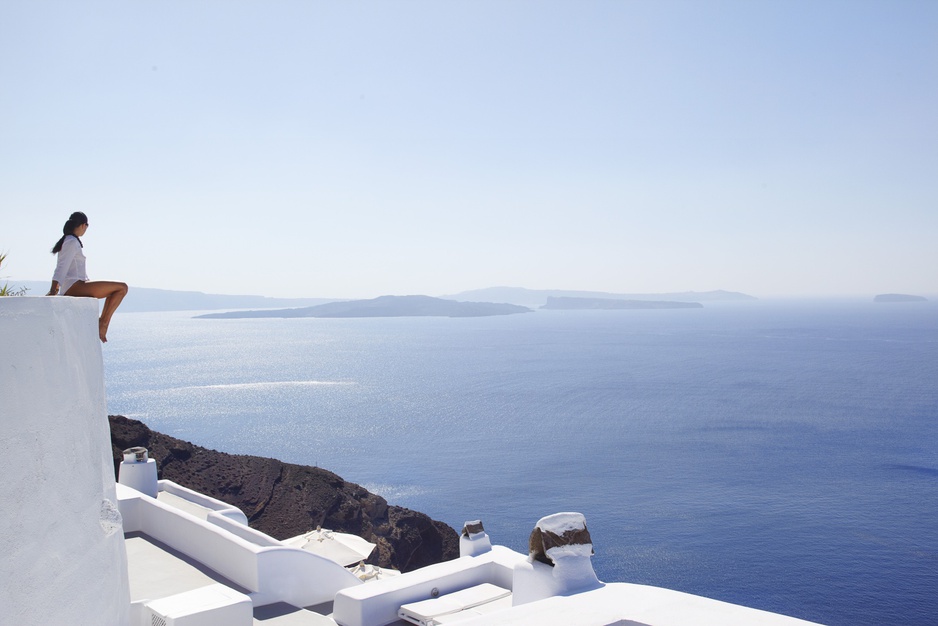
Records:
x=138, y=471
x=559, y=562
x=473, y=540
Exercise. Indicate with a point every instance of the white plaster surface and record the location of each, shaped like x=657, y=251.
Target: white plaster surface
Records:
x=64, y=562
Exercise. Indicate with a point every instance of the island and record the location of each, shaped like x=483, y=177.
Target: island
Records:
x=536, y=298
x=385, y=306
x=571, y=304
x=898, y=297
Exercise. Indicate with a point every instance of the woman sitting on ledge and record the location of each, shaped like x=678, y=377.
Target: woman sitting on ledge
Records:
x=70, y=276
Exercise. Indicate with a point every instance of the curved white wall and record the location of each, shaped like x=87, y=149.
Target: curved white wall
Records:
x=64, y=558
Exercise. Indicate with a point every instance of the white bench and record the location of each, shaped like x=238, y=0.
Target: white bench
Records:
x=456, y=606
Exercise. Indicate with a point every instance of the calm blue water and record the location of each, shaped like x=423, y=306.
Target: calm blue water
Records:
x=778, y=455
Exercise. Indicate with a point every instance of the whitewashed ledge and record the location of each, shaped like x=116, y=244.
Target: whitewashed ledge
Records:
x=64, y=557
x=66, y=542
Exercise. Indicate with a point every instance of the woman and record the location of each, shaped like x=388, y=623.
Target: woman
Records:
x=70, y=276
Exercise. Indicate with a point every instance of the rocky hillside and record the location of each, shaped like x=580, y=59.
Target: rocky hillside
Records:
x=285, y=500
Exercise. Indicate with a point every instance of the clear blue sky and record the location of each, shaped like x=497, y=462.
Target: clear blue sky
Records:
x=354, y=149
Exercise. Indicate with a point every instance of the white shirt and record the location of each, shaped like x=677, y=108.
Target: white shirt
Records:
x=70, y=266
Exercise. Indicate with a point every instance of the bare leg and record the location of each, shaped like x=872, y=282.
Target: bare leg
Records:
x=111, y=292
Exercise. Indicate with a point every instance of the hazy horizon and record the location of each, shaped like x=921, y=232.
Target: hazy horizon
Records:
x=37, y=288
x=782, y=148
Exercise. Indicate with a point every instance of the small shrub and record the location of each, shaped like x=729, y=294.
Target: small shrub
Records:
x=5, y=289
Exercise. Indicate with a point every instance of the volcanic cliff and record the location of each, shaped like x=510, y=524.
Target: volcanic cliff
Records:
x=285, y=500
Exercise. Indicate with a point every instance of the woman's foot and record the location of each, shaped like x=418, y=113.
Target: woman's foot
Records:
x=102, y=330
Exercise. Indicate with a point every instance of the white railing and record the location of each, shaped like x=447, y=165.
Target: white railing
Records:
x=217, y=506
x=270, y=571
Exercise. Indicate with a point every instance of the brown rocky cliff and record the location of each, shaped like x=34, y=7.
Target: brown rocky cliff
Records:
x=285, y=500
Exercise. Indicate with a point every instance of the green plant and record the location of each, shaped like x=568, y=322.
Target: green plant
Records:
x=6, y=290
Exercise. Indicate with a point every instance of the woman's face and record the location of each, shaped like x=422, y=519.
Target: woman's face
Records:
x=80, y=230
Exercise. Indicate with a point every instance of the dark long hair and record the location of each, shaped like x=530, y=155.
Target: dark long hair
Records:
x=75, y=220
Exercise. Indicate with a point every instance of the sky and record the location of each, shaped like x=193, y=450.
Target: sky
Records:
x=304, y=148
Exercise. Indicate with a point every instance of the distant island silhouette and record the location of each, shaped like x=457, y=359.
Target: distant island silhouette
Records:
x=385, y=306
x=538, y=297
x=898, y=297
x=568, y=304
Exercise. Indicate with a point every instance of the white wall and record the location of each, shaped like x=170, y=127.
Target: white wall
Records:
x=63, y=562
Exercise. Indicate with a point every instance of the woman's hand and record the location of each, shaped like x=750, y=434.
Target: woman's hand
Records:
x=54, y=289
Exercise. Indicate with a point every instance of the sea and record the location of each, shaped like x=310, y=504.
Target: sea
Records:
x=777, y=454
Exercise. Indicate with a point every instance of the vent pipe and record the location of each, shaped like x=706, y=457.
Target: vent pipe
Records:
x=138, y=471
x=473, y=539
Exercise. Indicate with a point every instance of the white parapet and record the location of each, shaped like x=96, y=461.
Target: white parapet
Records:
x=379, y=602
x=64, y=556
